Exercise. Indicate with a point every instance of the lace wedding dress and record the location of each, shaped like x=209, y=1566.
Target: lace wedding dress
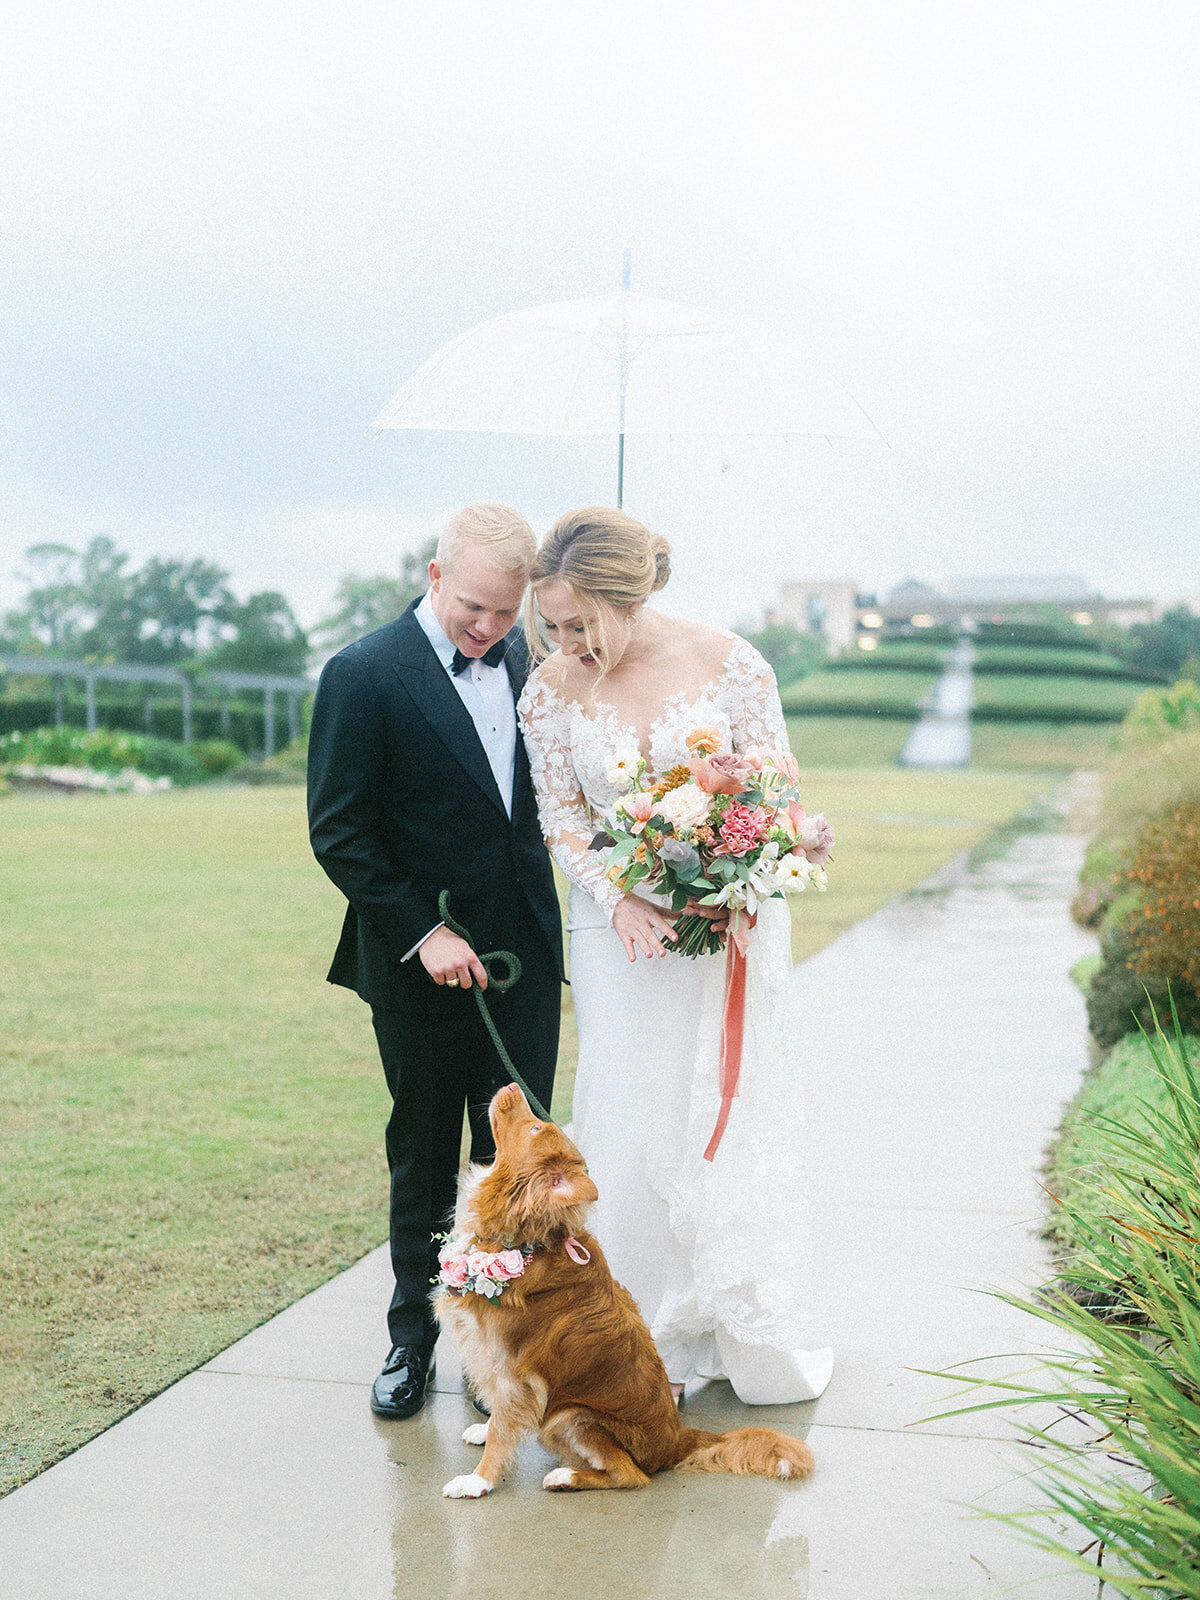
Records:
x=715, y=1253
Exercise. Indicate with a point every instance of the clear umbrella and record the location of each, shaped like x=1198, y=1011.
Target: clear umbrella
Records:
x=622, y=364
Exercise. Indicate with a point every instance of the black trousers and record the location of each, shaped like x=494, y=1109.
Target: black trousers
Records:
x=435, y=1062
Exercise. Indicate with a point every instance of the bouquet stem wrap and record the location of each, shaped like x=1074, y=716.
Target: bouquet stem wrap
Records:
x=733, y=1027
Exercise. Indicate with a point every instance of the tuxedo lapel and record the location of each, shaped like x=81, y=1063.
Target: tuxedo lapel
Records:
x=516, y=661
x=438, y=701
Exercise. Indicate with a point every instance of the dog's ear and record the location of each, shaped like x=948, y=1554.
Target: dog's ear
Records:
x=563, y=1187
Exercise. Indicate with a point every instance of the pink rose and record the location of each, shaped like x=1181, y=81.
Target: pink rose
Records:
x=742, y=829
x=754, y=758
x=815, y=839
x=454, y=1272
x=504, y=1265
x=721, y=774
x=786, y=763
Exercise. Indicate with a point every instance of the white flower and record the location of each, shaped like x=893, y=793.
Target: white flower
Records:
x=765, y=883
x=623, y=768
x=735, y=896
x=487, y=1287
x=794, y=874
x=820, y=879
x=685, y=808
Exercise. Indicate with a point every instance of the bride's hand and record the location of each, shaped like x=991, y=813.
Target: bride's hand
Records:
x=641, y=926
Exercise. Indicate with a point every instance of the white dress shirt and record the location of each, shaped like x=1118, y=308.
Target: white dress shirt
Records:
x=487, y=694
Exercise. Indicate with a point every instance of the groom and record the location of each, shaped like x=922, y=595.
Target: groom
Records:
x=417, y=782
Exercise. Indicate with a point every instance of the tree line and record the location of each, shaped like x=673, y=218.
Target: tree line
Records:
x=92, y=603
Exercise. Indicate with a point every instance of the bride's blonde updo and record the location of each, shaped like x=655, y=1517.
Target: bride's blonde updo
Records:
x=609, y=562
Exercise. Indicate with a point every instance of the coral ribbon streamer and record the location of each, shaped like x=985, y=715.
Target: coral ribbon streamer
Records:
x=578, y=1253
x=733, y=1023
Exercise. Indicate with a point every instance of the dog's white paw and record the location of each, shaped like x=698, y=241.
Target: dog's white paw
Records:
x=560, y=1478
x=470, y=1486
x=476, y=1433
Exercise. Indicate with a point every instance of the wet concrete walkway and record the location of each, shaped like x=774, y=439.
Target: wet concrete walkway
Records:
x=942, y=738
x=941, y=1038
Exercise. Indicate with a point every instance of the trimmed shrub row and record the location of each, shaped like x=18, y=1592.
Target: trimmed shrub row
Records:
x=1032, y=633
x=1116, y=672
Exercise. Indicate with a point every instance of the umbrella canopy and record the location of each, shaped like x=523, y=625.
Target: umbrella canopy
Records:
x=623, y=363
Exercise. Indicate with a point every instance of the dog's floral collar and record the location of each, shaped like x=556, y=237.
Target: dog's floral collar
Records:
x=465, y=1269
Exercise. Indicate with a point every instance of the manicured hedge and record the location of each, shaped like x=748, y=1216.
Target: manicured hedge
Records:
x=995, y=659
x=1052, y=699
x=1035, y=633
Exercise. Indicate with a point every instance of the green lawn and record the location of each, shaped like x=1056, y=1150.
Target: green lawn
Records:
x=1039, y=746
x=192, y=1119
x=894, y=827
x=859, y=689
x=848, y=741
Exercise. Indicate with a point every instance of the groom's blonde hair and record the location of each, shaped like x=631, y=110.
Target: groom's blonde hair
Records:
x=500, y=532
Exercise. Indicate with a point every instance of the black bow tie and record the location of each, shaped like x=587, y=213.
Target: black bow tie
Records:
x=493, y=658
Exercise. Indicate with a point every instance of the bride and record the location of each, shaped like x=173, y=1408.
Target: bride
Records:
x=716, y=1253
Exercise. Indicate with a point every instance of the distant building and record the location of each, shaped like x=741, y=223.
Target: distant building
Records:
x=962, y=601
x=830, y=608
x=842, y=613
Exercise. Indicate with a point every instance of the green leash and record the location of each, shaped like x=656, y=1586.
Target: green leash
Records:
x=513, y=972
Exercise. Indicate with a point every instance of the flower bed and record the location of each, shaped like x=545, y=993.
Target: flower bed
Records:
x=109, y=760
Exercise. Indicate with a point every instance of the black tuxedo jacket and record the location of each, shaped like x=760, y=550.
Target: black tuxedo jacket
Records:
x=402, y=804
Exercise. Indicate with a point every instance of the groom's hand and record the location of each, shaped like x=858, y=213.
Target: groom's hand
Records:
x=444, y=955
x=717, y=915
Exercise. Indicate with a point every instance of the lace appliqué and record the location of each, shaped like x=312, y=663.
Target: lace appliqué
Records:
x=567, y=819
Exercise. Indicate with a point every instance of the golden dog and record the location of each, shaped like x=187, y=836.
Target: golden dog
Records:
x=553, y=1343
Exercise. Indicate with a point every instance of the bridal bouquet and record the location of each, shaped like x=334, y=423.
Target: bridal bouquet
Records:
x=720, y=830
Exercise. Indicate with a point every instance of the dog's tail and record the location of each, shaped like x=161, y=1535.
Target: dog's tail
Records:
x=746, y=1452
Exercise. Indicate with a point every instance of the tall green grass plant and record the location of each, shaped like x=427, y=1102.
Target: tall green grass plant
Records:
x=1128, y=1307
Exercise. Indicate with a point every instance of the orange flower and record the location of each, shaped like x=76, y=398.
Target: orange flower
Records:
x=672, y=780
x=703, y=741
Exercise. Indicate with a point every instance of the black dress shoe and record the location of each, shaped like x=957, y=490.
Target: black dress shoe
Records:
x=399, y=1390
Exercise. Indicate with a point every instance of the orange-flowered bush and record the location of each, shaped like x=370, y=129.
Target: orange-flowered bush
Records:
x=1164, y=931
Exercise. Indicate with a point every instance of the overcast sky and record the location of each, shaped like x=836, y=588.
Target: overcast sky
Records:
x=231, y=231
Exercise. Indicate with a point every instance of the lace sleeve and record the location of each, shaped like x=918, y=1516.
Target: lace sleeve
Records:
x=562, y=808
x=752, y=700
